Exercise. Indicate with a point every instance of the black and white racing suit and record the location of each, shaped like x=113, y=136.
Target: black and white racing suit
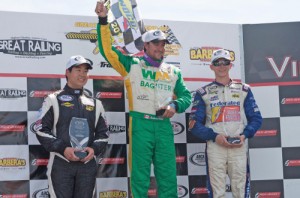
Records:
x=67, y=178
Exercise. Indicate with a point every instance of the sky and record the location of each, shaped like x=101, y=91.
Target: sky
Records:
x=214, y=11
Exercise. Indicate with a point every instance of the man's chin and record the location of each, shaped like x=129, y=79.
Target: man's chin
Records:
x=157, y=58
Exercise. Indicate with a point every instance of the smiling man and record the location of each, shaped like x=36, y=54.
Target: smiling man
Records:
x=73, y=129
x=156, y=91
x=225, y=114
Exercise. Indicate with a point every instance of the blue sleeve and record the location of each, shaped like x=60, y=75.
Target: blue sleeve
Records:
x=253, y=115
x=198, y=115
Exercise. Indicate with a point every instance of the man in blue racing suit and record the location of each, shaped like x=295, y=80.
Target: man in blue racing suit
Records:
x=225, y=114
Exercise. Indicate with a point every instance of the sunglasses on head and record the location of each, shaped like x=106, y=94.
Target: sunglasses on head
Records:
x=218, y=63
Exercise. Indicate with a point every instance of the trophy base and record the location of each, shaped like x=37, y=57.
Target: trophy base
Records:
x=160, y=112
x=81, y=154
x=233, y=140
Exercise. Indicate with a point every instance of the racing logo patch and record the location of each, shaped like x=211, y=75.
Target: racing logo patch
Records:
x=67, y=104
x=89, y=108
x=225, y=114
x=65, y=98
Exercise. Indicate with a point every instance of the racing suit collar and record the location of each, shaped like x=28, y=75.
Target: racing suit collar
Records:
x=73, y=91
x=151, y=61
x=220, y=84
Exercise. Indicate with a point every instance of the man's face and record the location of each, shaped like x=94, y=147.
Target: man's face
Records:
x=221, y=68
x=156, y=50
x=78, y=77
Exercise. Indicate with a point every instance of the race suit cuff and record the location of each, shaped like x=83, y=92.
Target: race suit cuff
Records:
x=62, y=150
x=174, y=105
x=214, y=136
x=103, y=20
x=245, y=133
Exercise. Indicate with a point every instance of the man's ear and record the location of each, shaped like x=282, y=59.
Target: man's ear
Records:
x=146, y=44
x=67, y=72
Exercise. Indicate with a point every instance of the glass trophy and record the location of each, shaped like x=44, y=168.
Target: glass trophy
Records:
x=161, y=102
x=79, y=135
x=232, y=123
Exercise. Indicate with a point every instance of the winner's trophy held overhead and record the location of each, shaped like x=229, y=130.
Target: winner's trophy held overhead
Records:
x=79, y=135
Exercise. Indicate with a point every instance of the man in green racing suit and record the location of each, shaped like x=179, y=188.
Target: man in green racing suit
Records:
x=156, y=91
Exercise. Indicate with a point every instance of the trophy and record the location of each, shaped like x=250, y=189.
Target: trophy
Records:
x=159, y=111
x=232, y=123
x=79, y=135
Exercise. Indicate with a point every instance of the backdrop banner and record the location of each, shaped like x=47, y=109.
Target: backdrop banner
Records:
x=34, y=49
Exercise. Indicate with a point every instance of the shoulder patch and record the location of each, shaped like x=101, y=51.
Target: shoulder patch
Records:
x=201, y=91
x=245, y=87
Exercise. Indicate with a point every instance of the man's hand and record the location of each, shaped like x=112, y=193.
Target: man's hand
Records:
x=169, y=111
x=90, y=155
x=242, y=140
x=222, y=141
x=100, y=9
x=70, y=155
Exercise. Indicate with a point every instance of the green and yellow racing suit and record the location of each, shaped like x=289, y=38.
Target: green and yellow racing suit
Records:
x=151, y=138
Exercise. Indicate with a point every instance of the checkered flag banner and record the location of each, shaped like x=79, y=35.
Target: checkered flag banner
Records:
x=171, y=37
x=125, y=25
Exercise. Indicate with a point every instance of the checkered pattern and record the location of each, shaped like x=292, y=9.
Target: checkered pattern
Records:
x=171, y=36
x=113, y=174
x=126, y=25
x=274, y=151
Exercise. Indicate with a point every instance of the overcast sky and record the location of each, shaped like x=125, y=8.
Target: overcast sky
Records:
x=219, y=11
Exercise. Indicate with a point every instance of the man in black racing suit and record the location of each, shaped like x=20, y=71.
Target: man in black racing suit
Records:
x=69, y=175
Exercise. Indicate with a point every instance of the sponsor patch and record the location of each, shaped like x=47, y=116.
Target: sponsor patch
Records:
x=67, y=104
x=66, y=98
x=89, y=108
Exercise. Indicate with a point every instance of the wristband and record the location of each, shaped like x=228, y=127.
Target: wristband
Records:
x=173, y=105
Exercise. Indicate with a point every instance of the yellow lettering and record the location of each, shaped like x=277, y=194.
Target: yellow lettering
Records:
x=85, y=25
x=162, y=76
